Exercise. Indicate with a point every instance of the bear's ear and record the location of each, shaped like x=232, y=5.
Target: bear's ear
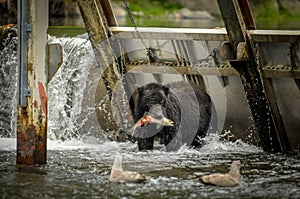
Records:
x=139, y=88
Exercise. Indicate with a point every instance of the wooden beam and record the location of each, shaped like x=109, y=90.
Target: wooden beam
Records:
x=94, y=13
x=171, y=33
x=274, y=35
x=98, y=32
x=219, y=34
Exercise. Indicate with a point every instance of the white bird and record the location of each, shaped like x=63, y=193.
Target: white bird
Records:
x=118, y=175
x=230, y=179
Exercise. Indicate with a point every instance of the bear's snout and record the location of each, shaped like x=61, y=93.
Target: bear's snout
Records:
x=156, y=111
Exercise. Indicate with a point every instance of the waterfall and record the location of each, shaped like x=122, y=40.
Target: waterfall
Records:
x=8, y=84
x=71, y=92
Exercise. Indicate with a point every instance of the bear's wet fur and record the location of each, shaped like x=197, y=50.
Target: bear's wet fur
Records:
x=185, y=103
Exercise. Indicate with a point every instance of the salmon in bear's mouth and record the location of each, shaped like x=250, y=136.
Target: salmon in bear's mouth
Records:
x=154, y=116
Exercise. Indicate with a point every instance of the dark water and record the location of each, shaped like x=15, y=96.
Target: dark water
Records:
x=77, y=169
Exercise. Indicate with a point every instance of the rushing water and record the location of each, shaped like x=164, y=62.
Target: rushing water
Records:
x=78, y=169
x=8, y=80
x=79, y=156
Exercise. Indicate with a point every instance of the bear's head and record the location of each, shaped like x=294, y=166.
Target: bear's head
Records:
x=150, y=95
x=150, y=102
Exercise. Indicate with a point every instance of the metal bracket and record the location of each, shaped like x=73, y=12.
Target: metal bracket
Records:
x=241, y=51
x=227, y=52
x=27, y=92
x=27, y=27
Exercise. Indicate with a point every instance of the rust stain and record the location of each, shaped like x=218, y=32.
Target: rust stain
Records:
x=41, y=150
x=26, y=145
x=43, y=97
x=30, y=67
x=36, y=105
x=31, y=135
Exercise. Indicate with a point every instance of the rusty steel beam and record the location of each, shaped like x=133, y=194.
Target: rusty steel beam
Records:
x=32, y=116
x=259, y=92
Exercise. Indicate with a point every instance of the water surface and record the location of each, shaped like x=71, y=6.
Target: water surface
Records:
x=80, y=169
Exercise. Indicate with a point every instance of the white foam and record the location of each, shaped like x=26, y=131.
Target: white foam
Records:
x=212, y=145
x=8, y=144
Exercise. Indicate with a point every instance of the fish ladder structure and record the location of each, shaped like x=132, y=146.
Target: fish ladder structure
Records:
x=244, y=51
x=259, y=57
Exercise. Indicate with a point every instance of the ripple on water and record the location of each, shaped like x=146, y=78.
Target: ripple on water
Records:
x=81, y=169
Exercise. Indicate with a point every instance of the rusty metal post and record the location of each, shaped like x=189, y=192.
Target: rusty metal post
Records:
x=238, y=20
x=32, y=116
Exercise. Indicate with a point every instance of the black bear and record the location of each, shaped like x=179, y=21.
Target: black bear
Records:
x=185, y=104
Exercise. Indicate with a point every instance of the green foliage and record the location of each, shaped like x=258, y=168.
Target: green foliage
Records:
x=153, y=7
x=270, y=10
x=66, y=31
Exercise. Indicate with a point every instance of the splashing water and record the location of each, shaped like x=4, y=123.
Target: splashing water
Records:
x=8, y=85
x=71, y=92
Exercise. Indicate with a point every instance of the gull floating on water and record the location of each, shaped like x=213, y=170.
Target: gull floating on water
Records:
x=230, y=179
x=118, y=175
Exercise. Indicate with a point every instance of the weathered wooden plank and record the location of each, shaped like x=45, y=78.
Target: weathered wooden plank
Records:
x=94, y=13
x=98, y=32
x=218, y=34
x=274, y=35
x=171, y=33
x=98, y=35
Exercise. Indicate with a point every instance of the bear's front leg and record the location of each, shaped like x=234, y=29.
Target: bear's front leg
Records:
x=172, y=140
x=145, y=143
